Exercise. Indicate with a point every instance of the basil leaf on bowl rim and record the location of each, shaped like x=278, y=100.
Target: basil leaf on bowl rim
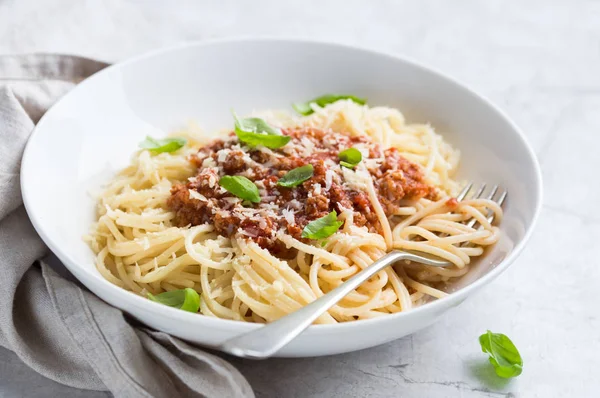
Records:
x=296, y=176
x=350, y=157
x=305, y=108
x=322, y=227
x=241, y=187
x=503, y=354
x=162, y=144
x=184, y=299
x=254, y=131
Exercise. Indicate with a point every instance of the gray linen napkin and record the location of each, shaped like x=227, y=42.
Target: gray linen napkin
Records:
x=56, y=327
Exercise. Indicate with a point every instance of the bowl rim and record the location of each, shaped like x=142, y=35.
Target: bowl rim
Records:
x=143, y=304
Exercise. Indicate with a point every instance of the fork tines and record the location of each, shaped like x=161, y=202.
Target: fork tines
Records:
x=479, y=194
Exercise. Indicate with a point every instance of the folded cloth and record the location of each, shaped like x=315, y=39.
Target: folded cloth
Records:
x=53, y=324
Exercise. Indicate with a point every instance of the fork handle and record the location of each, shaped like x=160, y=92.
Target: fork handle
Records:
x=268, y=339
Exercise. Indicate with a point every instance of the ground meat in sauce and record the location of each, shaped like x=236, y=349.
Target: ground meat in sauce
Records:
x=202, y=200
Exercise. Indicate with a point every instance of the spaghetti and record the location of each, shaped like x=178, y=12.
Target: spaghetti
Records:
x=164, y=223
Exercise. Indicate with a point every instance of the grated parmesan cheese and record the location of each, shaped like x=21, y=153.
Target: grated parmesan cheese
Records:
x=289, y=216
x=355, y=179
x=209, y=162
x=232, y=199
x=317, y=189
x=294, y=203
x=328, y=179
x=373, y=163
x=212, y=181
x=222, y=155
x=197, y=195
x=247, y=233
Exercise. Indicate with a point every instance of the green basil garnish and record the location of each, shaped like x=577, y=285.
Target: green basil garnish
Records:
x=296, y=176
x=504, y=356
x=241, y=187
x=322, y=227
x=185, y=299
x=254, y=131
x=162, y=145
x=304, y=108
x=350, y=157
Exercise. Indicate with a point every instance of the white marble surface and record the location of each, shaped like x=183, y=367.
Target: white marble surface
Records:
x=539, y=60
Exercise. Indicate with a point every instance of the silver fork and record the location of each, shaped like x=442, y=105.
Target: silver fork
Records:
x=267, y=340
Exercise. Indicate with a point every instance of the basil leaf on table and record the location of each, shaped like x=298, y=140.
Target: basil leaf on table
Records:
x=185, y=299
x=504, y=356
x=163, y=144
x=322, y=227
x=254, y=131
x=305, y=108
x=350, y=157
x=241, y=187
x=296, y=176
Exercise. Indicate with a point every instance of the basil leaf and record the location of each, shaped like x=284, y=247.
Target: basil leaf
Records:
x=322, y=227
x=162, y=145
x=504, y=356
x=296, y=176
x=241, y=187
x=255, y=131
x=350, y=157
x=255, y=125
x=304, y=108
x=185, y=299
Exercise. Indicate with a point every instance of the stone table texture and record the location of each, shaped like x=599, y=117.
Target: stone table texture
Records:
x=539, y=60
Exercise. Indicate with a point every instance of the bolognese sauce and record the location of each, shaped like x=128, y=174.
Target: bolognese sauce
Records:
x=202, y=200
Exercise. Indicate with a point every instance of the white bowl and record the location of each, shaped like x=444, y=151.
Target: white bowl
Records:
x=91, y=133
